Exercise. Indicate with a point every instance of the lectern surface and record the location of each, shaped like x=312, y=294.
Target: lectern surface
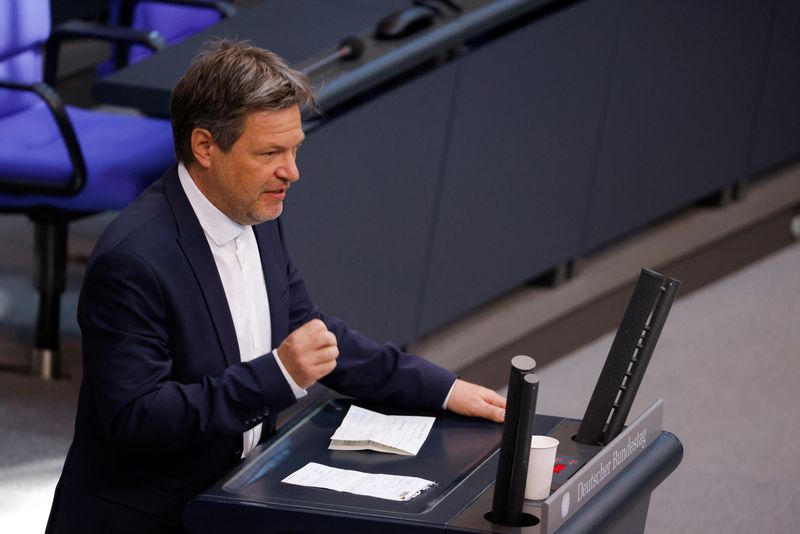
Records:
x=459, y=455
x=455, y=447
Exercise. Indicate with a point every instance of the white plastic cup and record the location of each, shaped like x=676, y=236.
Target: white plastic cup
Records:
x=540, y=467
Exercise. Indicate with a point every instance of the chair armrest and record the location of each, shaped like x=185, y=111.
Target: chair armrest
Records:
x=77, y=29
x=127, y=7
x=59, y=112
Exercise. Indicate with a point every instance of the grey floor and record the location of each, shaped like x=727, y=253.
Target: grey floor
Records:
x=727, y=366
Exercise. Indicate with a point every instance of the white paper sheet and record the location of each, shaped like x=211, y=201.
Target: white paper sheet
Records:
x=365, y=429
x=392, y=487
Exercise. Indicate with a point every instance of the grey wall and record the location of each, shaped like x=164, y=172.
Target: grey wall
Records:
x=360, y=218
x=683, y=90
x=776, y=136
x=518, y=164
x=535, y=145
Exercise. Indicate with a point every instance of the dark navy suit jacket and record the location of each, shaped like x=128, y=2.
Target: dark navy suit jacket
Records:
x=165, y=399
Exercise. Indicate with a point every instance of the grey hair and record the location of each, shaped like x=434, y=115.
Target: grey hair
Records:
x=227, y=81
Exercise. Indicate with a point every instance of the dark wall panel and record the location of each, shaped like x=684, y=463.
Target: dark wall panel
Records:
x=684, y=86
x=519, y=159
x=777, y=130
x=358, y=221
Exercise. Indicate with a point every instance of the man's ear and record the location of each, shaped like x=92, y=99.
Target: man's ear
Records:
x=202, y=143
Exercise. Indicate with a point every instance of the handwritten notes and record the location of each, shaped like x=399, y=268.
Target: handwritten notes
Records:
x=392, y=487
x=365, y=429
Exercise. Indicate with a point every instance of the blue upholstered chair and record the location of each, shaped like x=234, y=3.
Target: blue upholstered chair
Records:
x=174, y=20
x=59, y=163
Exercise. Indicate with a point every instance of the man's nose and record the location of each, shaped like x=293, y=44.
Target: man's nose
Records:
x=288, y=169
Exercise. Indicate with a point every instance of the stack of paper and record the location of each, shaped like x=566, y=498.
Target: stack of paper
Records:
x=365, y=429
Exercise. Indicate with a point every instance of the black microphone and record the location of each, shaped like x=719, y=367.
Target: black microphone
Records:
x=349, y=49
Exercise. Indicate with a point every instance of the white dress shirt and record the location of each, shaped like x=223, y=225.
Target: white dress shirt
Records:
x=235, y=252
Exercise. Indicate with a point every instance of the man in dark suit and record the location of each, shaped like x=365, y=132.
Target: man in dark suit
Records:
x=185, y=299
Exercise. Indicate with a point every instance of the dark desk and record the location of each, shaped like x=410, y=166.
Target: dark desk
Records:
x=460, y=454
x=294, y=29
x=302, y=31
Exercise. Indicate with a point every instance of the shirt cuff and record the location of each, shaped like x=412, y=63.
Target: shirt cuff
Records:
x=447, y=398
x=299, y=392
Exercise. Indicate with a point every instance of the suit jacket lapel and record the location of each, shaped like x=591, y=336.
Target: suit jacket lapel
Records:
x=193, y=242
x=274, y=266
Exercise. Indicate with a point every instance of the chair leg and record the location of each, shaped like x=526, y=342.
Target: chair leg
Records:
x=50, y=261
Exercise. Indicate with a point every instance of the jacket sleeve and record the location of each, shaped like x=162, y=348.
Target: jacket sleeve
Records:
x=125, y=324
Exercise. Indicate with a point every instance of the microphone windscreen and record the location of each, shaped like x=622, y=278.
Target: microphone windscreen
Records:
x=351, y=48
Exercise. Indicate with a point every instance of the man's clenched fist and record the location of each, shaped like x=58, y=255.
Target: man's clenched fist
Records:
x=309, y=353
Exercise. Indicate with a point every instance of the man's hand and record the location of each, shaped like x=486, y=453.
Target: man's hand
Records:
x=476, y=401
x=309, y=353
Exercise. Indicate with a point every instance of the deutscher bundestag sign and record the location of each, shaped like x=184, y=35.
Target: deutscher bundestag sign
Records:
x=612, y=459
